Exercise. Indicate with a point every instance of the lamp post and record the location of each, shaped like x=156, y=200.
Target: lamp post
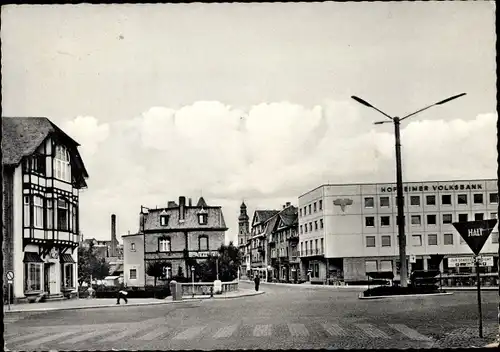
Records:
x=192, y=277
x=399, y=177
x=217, y=267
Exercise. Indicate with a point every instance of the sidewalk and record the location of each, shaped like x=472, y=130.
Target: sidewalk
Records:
x=84, y=303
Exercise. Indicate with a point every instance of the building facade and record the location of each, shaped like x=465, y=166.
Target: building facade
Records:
x=262, y=225
x=42, y=175
x=176, y=235
x=346, y=231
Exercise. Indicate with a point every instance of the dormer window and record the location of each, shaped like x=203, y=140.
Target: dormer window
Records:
x=203, y=217
x=164, y=218
x=62, y=165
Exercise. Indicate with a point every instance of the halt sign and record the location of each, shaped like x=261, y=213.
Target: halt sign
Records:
x=10, y=275
x=475, y=233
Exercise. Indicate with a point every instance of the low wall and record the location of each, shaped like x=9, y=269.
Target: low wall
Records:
x=204, y=288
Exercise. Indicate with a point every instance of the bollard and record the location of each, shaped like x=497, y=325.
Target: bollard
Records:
x=173, y=290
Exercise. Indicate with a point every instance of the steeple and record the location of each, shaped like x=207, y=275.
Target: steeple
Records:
x=243, y=225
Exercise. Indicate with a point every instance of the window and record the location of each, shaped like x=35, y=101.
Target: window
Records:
x=369, y=221
x=310, y=209
x=301, y=229
x=316, y=245
x=447, y=218
x=305, y=228
x=462, y=199
x=62, y=215
x=202, y=218
x=133, y=274
x=478, y=216
x=446, y=199
x=369, y=202
x=386, y=241
x=385, y=221
x=462, y=217
x=38, y=211
x=74, y=219
x=371, y=266
x=321, y=223
x=315, y=209
x=478, y=198
x=494, y=237
x=493, y=197
x=62, y=165
x=164, y=220
x=167, y=272
x=430, y=200
x=310, y=226
x=33, y=277
x=132, y=247
x=306, y=248
x=384, y=202
x=386, y=265
x=305, y=211
x=68, y=275
x=27, y=211
x=416, y=240
x=203, y=242
x=49, y=221
x=416, y=220
x=320, y=205
x=493, y=215
x=300, y=212
x=34, y=164
x=415, y=200
x=448, y=238
x=432, y=239
x=315, y=224
x=322, y=248
x=164, y=245
x=431, y=219
x=301, y=248
x=370, y=241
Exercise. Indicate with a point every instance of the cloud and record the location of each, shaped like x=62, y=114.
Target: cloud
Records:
x=267, y=154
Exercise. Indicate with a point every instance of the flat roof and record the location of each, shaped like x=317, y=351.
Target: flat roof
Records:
x=393, y=182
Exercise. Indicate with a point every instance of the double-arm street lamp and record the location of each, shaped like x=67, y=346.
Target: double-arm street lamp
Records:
x=399, y=178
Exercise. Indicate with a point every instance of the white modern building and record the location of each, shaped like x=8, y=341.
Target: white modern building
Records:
x=348, y=230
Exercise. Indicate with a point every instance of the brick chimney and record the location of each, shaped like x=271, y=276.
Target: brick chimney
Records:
x=182, y=208
x=113, y=236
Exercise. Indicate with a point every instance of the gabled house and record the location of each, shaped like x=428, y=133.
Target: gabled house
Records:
x=177, y=235
x=42, y=173
x=261, y=229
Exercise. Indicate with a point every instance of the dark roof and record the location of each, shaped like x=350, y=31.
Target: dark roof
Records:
x=289, y=215
x=201, y=203
x=66, y=258
x=271, y=224
x=21, y=136
x=32, y=257
x=261, y=216
x=215, y=220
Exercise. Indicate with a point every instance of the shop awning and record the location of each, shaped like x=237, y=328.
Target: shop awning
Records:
x=32, y=257
x=67, y=258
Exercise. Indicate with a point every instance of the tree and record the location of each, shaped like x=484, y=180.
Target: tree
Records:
x=90, y=264
x=156, y=269
x=229, y=260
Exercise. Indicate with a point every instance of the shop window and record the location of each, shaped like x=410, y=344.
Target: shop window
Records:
x=446, y=199
x=386, y=265
x=386, y=241
x=431, y=219
x=370, y=241
x=68, y=275
x=478, y=198
x=369, y=221
x=448, y=238
x=369, y=202
x=432, y=239
x=462, y=199
x=384, y=202
x=371, y=266
x=33, y=277
x=430, y=200
x=415, y=200
x=133, y=274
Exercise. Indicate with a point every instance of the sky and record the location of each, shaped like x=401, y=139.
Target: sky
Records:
x=252, y=101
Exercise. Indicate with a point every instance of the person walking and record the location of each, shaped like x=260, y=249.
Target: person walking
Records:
x=121, y=294
x=257, y=282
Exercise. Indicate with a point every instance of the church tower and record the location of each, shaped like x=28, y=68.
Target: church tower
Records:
x=243, y=226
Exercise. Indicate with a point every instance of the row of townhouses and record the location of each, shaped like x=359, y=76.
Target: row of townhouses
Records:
x=341, y=232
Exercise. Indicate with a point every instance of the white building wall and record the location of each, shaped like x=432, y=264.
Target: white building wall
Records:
x=17, y=200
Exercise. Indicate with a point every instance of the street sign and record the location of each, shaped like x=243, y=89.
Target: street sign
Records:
x=10, y=275
x=475, y=233
x=469, y=262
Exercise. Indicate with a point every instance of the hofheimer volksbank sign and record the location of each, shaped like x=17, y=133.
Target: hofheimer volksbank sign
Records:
x=435, y=188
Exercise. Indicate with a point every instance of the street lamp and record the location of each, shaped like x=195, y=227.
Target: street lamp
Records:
x=399, y=176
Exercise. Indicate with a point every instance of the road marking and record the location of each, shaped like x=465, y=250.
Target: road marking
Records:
x=27, y=337
x=124, y=334
x=189, y=333
x=226, y=331
x=38, y=342
x=298, y=330
x=88, y=335
x=153, y=334
x=262, y=330
x=372, y=331
x=334, y=329
x=412, y=334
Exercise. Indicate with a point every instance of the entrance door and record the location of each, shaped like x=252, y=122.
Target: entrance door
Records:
x=46, y=277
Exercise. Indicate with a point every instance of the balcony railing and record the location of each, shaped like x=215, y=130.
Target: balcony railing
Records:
x=311, y=252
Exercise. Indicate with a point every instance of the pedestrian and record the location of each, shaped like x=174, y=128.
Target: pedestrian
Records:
x=121, y=294
x=257, y=282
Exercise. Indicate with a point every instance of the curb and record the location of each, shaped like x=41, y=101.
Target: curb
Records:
x=97, y=306
x=468, y=289
x=345, y=287
x=404, y=296
x=493, y=344
x=218, y=297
